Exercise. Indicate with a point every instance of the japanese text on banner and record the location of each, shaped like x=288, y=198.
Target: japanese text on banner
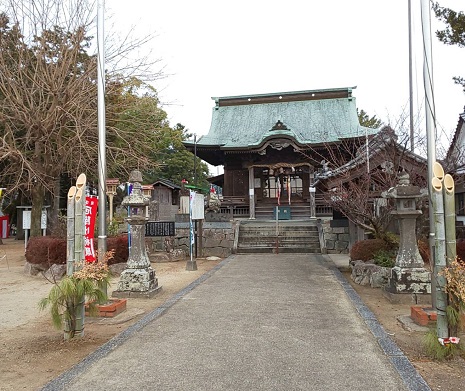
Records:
x=89, y=223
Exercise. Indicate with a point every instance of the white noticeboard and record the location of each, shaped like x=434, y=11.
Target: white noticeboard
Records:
x=198, y=209
x=27, y=219
x=43, y=220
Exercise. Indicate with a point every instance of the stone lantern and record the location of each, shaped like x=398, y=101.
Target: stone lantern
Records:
x=409, y=274
x=138, y=279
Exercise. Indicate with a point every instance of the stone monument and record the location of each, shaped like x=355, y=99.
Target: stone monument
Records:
x=138, y=279
x=409, y=276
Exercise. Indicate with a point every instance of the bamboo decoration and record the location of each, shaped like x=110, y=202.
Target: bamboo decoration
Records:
x=439, y=250
x=449, y=211
x=79, y=227
x=79, y=215
x=70, y=231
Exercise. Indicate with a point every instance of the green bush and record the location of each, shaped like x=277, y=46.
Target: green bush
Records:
x=365, y=250
x=48, y=250
x=384, y=258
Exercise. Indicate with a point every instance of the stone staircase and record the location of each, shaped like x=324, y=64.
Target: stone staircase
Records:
x=293, y=237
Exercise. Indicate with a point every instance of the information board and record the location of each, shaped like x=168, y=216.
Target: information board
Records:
x=198, y=209
x=160, y=228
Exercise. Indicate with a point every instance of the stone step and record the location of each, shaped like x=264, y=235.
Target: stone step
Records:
x=281, y=228
x=260, y=237
x=271, y=239
x=266, y=232
x=272, y=250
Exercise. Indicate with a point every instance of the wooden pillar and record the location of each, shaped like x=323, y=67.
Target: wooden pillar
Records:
x=251, y=193
x=312, y=191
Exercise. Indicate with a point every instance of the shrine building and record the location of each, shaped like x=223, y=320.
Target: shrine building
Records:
x=273, y=146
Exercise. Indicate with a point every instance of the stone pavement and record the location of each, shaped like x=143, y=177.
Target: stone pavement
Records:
x=255, y=322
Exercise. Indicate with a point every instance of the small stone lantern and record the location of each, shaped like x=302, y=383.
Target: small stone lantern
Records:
x=409, y=274
x=138, y=279
x=111, y=185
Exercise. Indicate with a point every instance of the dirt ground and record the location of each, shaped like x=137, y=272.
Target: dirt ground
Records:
x=33, y=353
x=447, y=375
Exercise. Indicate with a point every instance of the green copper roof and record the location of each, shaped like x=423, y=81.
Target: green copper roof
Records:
x=308, y=117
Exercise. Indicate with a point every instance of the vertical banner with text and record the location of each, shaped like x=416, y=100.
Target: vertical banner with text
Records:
x=89, y=223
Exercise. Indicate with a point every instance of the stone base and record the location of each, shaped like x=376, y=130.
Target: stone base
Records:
x=409, y=280
x=191, y=266
x=407, y=298
x=137, y=283
x=137, y=294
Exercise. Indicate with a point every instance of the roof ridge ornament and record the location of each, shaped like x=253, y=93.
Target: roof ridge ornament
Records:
x=279, y=126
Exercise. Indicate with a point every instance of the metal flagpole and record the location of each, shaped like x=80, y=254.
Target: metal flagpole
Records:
x=102, y=205
x=430, y=117
x=412, y=144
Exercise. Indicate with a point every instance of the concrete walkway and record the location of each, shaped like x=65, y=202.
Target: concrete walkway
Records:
x=256, y=322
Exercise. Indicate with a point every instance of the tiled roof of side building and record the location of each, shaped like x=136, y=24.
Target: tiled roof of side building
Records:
x=308, y=117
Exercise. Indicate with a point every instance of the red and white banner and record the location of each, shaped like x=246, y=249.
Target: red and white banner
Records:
x=278, y=192
x=289, y=189
x=89, y=223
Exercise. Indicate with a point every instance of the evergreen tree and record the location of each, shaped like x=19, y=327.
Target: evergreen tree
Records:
x=454, y=32
x=370, y=122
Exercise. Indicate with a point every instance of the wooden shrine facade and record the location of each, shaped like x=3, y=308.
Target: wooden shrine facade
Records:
x=273, y=147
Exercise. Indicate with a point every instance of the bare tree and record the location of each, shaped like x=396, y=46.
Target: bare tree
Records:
x=357, y=171
x=48, y=99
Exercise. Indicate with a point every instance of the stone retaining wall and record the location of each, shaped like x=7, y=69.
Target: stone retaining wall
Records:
x=336, y=239
x=217, y=239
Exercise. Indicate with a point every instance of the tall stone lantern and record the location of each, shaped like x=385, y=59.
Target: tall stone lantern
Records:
x=409, y=274
x=138, y=279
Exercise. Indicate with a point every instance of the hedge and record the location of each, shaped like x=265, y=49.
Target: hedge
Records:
x=49, y=250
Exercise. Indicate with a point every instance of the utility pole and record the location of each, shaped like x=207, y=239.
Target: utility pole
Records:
x=437, y=250
x=102, y=165
x=410, y=66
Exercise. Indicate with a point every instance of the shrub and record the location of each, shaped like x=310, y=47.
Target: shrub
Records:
x=423, y=248
x=46, y=250
x=365, y=250
x=120, y=245
x=461, y=249
x=384, y=258
x=49, y=250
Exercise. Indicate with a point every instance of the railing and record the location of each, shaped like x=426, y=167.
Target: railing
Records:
x=322, y=208
x=236, y=207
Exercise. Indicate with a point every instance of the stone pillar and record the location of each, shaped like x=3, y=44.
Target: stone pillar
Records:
x=251, y=193
x=138, y=279
x=408, y=276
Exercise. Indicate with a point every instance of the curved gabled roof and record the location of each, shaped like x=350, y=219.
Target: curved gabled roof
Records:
x=309, y=117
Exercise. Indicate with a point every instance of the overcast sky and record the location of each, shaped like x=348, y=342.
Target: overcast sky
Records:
x=222, y=48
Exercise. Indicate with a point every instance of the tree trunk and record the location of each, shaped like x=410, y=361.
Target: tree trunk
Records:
x=38, y=193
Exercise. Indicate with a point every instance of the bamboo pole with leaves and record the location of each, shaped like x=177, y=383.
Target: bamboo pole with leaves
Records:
x=66, y=299
x=79, y=215
x=449, y=216
x=439, y=250
x=70, y=231
x=453, y=308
